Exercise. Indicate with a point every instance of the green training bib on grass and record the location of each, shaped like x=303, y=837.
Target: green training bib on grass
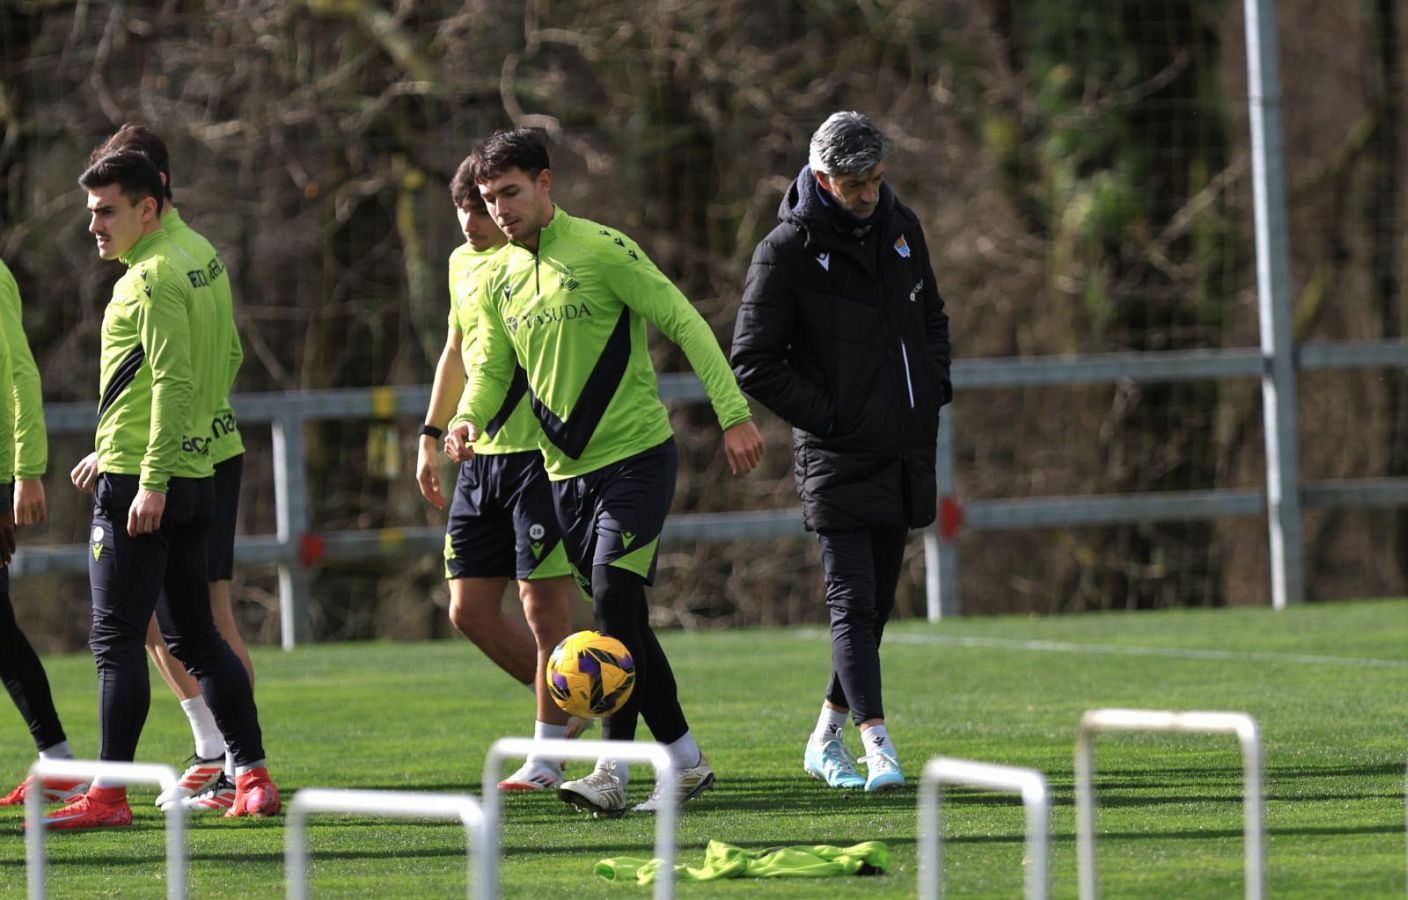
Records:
x=727, y=861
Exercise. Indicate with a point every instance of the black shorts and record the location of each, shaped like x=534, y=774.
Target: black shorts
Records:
x=614, y=516
x=501, y=522
x=220, y=543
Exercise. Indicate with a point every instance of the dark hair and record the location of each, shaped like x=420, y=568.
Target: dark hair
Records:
x=464, y=187
x=132, y=136
x=521, y=148
x=134, y=172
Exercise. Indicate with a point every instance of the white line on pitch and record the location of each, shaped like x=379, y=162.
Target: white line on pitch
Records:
x=1171, y=652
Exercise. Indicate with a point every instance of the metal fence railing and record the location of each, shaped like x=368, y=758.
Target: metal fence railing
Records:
x=299, y=545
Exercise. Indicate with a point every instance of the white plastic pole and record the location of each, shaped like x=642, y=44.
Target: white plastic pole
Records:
x=402, y=804
x=1273, y=279
x=1239, y=724
x=125, y=772
x=555, y=748
x=1030, y=783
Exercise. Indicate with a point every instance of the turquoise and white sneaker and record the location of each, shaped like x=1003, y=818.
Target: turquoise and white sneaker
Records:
x=884, y=768
x=832, y=763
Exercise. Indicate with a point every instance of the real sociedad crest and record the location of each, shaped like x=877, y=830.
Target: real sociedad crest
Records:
x=902, y=247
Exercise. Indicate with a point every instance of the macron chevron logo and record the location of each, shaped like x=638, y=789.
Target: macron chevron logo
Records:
x=824, y=259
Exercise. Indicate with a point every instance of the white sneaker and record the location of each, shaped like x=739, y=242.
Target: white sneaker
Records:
x=217, y=799
x=688, y=784
x=533, y=775
x=199, y=777
x=602, y=793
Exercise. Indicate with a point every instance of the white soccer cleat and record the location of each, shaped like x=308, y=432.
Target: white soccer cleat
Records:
x=885, y=773
x=533, y=775
x=831, y=762
x=602, y=793
x=199, y=777
x=218, y=798
x=688, y=784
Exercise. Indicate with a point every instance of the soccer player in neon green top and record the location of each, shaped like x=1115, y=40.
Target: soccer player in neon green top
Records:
x=567, y=302
x=162, y=368
x=501, y=524
x=207, y=784
x=24, y=452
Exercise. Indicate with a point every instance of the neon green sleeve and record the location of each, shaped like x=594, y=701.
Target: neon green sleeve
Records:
x=492, y=372
x=236, y=360
x=646, y=290
x=163, y=323
x=31, y=439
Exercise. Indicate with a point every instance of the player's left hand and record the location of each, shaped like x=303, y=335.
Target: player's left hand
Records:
x=30, y=508
x=459, y=443
x=743, y=446
x=144, y=515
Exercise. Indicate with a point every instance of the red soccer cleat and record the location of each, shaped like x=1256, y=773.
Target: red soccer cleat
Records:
x=99, y=808
x=255, y=795
x=55, y=789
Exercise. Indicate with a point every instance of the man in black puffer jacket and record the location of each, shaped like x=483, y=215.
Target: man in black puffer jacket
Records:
x=842, y=334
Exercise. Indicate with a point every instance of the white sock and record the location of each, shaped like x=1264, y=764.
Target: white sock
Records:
x=210, y=743
x=58, y=751
x=876, y=738
x=684, y=753
x=546, y=730
x=829, y=725
x=229, y=765
x=621, y=769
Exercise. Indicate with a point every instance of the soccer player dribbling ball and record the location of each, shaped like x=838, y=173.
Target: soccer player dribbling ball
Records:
x=567, y=302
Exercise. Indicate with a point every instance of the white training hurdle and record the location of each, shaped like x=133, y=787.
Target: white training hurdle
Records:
x=557, y=748
x=403, y=804
x=125, y=772
x=1036, y=803
x=1253, y=813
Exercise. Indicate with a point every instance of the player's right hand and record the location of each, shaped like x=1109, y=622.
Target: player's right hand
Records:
x=30, y=507
x=428, y=472
x=85, y=473
x=459, y=444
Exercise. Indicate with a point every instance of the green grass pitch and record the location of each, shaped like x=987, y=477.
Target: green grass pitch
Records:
x=1326, y=683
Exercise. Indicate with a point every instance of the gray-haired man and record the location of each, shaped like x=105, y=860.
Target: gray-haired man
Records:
x=842, y=333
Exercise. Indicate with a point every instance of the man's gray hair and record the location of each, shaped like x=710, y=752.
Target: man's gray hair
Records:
x=847, y=143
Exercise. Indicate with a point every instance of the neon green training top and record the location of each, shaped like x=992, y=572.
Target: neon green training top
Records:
x=514, y=428
x=163, y=367
x=210, y=275
x=573, y=315
x=27, y=440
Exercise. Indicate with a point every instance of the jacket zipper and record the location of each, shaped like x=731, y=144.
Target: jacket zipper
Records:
x=908, y=382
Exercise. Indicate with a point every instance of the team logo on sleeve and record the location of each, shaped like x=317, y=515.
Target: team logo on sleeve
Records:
x=902, y=247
